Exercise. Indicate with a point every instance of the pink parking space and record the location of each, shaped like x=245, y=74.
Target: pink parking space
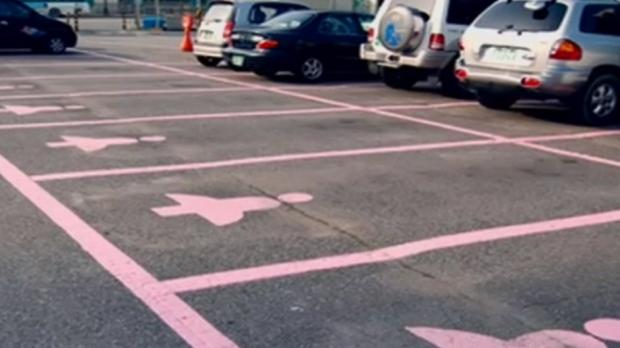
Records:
x=178, y=141
x=528, y=293
x=464, y=190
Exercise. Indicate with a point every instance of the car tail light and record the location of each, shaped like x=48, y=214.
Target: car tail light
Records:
x=461, y=74
x=566, y=50
x=461, y=45
x=228, y=29
x=267, y=44
x=438, y=42
x=371, y=34
x=531, y=82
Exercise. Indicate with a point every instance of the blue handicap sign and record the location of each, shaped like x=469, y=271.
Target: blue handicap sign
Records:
x=392, y=37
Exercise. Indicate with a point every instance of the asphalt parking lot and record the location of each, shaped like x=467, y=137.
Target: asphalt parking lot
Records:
x=151, y=202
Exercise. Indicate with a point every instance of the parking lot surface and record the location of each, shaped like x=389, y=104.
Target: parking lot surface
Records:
x=151, y=202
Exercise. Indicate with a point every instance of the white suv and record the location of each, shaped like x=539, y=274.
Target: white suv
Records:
x=412, y=40
x=562, y=49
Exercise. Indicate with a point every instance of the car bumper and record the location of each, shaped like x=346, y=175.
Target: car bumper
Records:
x=207, y=50
x=555, y=81
x=258, y=60
x=424, y=59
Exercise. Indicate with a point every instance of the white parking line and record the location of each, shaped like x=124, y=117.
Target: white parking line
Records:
x=85, y=76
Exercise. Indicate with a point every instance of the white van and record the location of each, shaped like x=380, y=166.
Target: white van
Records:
x=412, y=40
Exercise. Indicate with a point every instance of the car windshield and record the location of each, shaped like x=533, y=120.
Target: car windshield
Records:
x=218, y=12
x=291, y=20
x=515, y=16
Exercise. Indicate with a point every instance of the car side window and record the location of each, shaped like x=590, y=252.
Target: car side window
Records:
x=9, y=10
x=601, y=19
x=338, y=25
x=464, y=12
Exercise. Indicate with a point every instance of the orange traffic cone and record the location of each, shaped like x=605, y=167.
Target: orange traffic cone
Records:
x=188, y=25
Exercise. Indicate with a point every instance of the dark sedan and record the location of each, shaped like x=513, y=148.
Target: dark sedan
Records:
x=21, y=27
x=308, y=43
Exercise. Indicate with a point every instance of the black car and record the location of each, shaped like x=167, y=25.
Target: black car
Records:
x=23, y=28
x=307, y=43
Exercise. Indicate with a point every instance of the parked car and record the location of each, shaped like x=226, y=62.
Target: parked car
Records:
x=23, y=28
x=223, y=16
x=566, y=49
x=308, y=43
x=412, y=40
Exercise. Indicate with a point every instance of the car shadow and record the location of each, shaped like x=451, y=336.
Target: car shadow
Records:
x=553, y=111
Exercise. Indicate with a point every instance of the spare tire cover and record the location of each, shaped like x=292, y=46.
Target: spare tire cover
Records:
x=401, y=28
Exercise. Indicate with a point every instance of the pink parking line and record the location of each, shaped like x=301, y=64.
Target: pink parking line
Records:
x=380, y=112
x=335, y=154
x=388, y=254
x=84, y=76
x=426, y=106
x=180, y=317
x=257, y=160
x=169, y=118
x=572, y=154
x=123, y=93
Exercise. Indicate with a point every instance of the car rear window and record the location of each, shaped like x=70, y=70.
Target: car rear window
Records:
x=516, y=17
x=290, y=20
x=601, y=19
x=260, y=13
x=464, y=12
x=218, y=12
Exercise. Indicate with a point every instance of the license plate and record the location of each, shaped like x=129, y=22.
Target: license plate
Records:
x=206, y=34
x=504, y=55
x=238, y=60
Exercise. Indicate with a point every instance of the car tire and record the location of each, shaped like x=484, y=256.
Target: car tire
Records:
x=496, y=101
x=54, y=13
x=451, y=86
x=208, y=61
x=53, y=45
x=599, y=104
x=311, y=69
x=397, y=78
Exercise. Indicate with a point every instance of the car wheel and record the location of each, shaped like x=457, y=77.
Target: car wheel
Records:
x=451, y=86
x=54, y=13
x=55, y=45
x=496, y=101
x=311, y=69
x=398, y=78
x=600, y=102
x=208, y=61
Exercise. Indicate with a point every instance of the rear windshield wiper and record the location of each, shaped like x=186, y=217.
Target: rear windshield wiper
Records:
x=511, y=27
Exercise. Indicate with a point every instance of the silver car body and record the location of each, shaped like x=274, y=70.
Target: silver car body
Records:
x=530, y=57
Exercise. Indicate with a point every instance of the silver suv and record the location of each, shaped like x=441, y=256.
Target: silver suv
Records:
x=562, y=49
x=412, y=40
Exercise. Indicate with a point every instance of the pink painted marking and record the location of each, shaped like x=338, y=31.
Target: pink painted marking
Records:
x=84, y=76
x=226, y=211
x=257, y=160
x=388, y=254
x=443, y=338
x=123, y=93
x=148, y=119
x=153, y=139
x=604, y=328
x=91, y=144
x=426, y=106
x=22, y=110
x=180, y=317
